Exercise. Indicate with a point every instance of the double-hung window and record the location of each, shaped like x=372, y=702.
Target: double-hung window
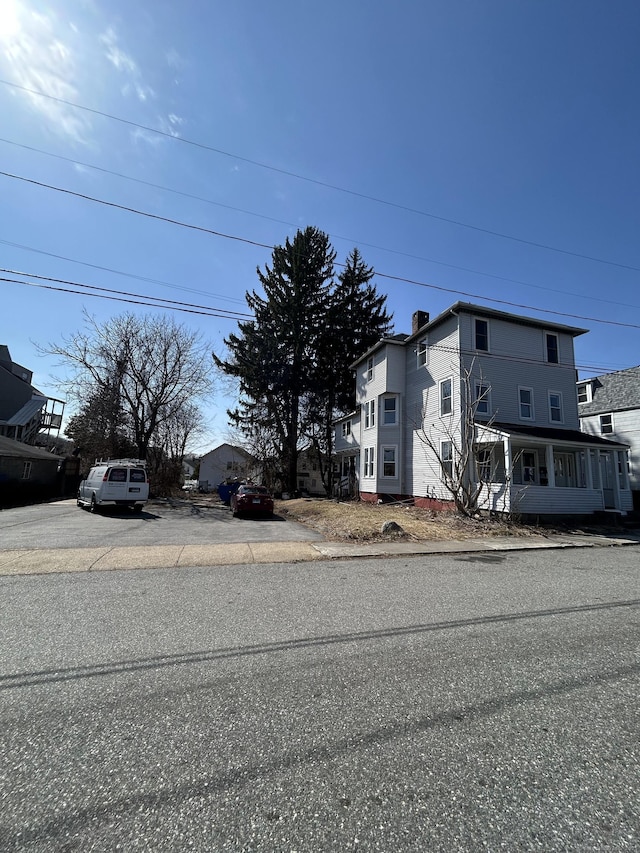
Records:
x=368, y=461
x=370, y=368
x=423, y=353
x=388, y=461
x=369, y=414
x=346, y=429
x=26, y=470
x=446, y=458
x=555, y=407
x=481, y=335
x=584, y=392
x=606, y=424
x=482, y=400
x=525, y=397
x=446, y=396
x=552, y=349
x=390, y=411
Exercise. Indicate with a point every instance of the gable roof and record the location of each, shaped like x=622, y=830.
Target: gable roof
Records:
x=613, y=392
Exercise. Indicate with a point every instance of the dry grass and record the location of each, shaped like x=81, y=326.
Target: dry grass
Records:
x=356, y=521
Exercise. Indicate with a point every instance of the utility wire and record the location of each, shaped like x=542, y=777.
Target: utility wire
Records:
x=325, y=184
x=121, y=272
x=209, y=312
x=293, y=225
x=388, y=276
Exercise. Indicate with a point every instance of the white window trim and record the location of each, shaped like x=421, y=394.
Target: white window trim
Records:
x=369, y=373
x=422, y=350
x=26, y=470
x=369, y=463
x=588, y=390
x=449, y=461
x=440, y=399
x=370, y=414
x=546, y=348
x=486, y=398
x=346, y=429
x=395, y=411
x=393, y=447
x=475, y=346
x=606, y=415
x=532, y=404
x=559, y=395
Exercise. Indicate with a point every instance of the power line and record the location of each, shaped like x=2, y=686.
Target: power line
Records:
x=139, y=300
x=120, y=272
x=246, y=240
x=210, y=312
x=325, y=184
x=293, y=225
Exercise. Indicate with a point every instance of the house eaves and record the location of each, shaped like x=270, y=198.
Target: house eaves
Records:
x=394, y=340
x=492, y=313
x=552, y=434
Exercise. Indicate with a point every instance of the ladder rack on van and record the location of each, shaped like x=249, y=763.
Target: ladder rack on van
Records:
x=140, y=463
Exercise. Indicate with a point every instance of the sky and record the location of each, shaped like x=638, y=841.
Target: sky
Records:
x=483, y=152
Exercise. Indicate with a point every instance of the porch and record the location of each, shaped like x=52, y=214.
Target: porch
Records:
x=543, y=471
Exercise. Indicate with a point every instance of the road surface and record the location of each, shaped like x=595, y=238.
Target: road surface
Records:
x=442, y=703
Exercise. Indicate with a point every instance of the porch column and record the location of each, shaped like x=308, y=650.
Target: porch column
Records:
x=551, y=473
x=598, y=482
x=589, y=470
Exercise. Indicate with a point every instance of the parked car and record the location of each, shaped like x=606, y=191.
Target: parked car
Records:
x=117, y=482
x=251, y=499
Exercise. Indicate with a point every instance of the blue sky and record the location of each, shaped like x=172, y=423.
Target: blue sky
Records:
x=510, y=118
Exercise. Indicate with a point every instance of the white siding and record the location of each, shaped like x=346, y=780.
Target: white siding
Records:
x=517, y=357
x=422, y=471
x=626, y=429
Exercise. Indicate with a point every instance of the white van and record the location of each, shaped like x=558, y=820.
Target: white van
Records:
x=116, y=482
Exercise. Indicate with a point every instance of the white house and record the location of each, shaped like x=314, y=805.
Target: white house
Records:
x=225, y=462
x=609, y=406
x=502, y=386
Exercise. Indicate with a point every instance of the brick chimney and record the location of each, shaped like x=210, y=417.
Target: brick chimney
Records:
x=418, y=320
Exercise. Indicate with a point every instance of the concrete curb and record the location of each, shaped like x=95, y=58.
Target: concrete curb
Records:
x=60, y=560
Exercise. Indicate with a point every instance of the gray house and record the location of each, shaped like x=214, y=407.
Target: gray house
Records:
x=24, y=411
x=28, y=472
x=496, y=385
x=609, y=406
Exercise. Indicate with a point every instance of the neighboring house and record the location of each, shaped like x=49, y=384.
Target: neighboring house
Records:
x=309, y=477
x=226, y=462
x=24, y=411
x=502, y=385
x=27, y=471
x=609, y=406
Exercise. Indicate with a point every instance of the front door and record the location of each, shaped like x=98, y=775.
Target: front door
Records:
x=606, y=477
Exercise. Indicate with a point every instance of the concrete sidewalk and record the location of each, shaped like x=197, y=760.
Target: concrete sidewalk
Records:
x=50, y=560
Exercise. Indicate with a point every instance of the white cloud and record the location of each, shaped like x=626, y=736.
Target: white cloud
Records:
x=33, y=56
x=125, y=64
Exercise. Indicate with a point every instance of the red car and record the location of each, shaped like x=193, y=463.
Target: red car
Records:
x=252, y=499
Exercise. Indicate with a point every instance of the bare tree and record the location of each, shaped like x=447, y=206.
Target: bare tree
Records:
x=464, y=469
x=156, y=369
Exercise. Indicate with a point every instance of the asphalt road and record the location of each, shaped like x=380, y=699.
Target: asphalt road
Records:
x=478, y=702
x=62, y=524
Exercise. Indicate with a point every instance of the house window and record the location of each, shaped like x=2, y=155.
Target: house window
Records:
x=482, y=401
x=529, y=463
x=484, y=464
x=423, y=353
x=446, y=458
x=390, y=414
x=584, y=392
x=623, y=469
x=369, y=414
x=481, y=335
x=368, y=461
x=552, y=347
x=564, y=470
x=555, y=407
x=370, y=369
x=26, y=470
x=606, y=424
x=346, y=429
x=446, y=397
x=388, y=461
x=525, y=396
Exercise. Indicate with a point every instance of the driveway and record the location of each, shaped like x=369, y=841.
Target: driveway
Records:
x=62, y=524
